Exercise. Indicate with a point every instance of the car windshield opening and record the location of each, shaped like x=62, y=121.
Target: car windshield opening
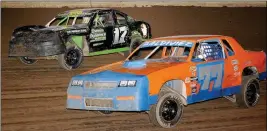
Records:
x=56, y=21
x=176, y=53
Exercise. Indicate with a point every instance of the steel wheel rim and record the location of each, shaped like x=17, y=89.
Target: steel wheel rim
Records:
x=72, y=57
x=27, y=60
x=251, y=94
x=169, y=110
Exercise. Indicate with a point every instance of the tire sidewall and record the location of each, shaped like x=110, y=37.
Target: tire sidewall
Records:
x=245, y=88
x=132, y=43
x=105, y=113
x=160, y=120
x=24, y=61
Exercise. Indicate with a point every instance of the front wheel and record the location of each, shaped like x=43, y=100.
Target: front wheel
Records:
x=27, y=61
x=71, y=59
x=167, y=112
x=105, y=112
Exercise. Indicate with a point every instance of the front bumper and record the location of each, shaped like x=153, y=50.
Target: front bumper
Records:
x=111, y=99
x=42, y=43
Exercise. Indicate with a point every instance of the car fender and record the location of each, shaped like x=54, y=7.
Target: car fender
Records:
x=178, y=87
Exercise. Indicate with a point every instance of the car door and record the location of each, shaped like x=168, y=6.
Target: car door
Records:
x=101, y=31
x=209, y=61
x=232, y=70
x=121, y=29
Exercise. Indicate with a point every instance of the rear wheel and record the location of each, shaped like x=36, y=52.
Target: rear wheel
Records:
x=250, y=92
x=27, y=60
x=135, y=42
x=167, y=112
x=71, y=59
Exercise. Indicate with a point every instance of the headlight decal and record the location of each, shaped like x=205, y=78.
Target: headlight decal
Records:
x=127, y=83
x=77, y=83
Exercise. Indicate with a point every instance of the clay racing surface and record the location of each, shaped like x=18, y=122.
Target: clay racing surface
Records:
x=34, y=97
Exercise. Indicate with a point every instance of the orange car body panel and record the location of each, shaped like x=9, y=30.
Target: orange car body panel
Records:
x=158, y=74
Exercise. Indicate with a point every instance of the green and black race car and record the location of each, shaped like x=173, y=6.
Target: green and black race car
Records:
x=77, y=33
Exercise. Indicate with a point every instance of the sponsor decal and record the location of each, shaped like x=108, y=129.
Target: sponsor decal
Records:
x=247, y=63
x=76, y=31
x=234, y=62
x=97, y=44
x=194, y=87
x=235, y=68
x=97, y=35
x=194, y=90
x=236, y=74
x=193, y=68
x=97, y=31
x=167, y=43
x=187, y=80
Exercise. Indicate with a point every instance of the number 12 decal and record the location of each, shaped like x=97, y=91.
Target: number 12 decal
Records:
x=119, y=35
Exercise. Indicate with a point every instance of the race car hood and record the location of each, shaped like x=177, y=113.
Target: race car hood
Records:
x=138, y=67
x=50, y=28
x=144, y=67
x=59, y=28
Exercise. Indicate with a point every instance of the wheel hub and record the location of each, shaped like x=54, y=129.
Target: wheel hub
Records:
x=252, y=94
x=169, y=110
x=72, y=57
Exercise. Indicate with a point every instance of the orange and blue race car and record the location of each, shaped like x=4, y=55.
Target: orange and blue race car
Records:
x=165, y=74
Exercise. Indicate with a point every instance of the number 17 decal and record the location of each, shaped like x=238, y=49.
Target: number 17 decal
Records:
x=119, y=34
x=210, y=74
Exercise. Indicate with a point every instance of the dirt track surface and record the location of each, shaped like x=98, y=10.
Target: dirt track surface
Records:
x=34, y=97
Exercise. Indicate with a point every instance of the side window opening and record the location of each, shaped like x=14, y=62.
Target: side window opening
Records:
x=82, y=20
x=195, y=51
x=157, y=54
x=63, y=22
x=79, y=20
x=70, y=21
x=228, y=48
x=121, y=20
x=103, y=19
x=208, y=51
x=56, y=21
x=168, y=51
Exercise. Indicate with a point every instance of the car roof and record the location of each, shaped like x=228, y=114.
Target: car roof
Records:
x=192, y=38
x=80, y=12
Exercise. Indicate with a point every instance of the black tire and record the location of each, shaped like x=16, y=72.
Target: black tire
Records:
x=167, y=112
x=104, y=112
x=135, y=42
x=250, y=92
x=72, y=58
x=27, y=61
